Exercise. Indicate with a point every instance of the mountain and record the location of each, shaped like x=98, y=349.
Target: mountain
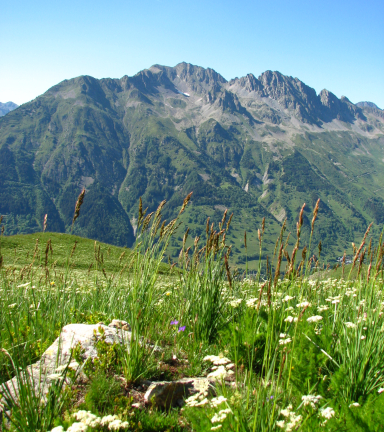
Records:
x=367, y=105
x=257, y=146
x=6, y=107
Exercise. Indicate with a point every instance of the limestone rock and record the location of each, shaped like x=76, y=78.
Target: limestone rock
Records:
x=57, y=356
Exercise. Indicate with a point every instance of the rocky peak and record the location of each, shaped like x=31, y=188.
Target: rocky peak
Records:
x=249, y=83
x=335, y=108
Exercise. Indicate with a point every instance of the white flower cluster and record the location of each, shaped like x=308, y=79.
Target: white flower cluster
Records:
x=221, y=416
x=303, y=304
x=291, y=419
x=311, y=400
x=222, y=367
x=315, y=318
x=235, y=303
x=88, y=420
x=284, y=339
x=290, y=319
x=327, y=413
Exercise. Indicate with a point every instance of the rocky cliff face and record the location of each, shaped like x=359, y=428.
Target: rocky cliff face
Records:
x=169, y=130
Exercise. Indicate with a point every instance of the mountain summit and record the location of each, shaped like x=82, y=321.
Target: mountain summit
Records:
x=257, y=146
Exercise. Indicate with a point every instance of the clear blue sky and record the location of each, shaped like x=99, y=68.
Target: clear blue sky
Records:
x=333, y=44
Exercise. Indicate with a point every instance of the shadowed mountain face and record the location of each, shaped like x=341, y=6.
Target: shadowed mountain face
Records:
x=257, y=146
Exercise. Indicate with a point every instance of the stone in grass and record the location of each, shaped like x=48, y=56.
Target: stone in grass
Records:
x=57, y=356
x=166, y=394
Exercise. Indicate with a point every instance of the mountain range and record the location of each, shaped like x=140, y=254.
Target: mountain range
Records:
x=6, y=107
x=260, y=147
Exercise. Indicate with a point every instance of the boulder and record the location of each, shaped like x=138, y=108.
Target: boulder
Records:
x=57, y=356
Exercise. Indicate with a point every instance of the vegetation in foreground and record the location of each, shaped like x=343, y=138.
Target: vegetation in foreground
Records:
x=306, y=353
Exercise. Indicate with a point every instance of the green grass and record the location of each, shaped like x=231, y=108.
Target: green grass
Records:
x=307, y=348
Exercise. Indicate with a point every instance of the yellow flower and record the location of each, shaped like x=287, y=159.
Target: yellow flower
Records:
x=168, y=293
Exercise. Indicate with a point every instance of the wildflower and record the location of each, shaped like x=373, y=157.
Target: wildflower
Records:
x=251, y=302
x=354, y=404
x=314, y=318
x=168, y=293
x=108, y=419
x=58, y=429
x=304, y=304
x=216, y=427
x=285, y=341
x=311, y=400
x=350, y=325
x=117, y=424
x=381, y=390
x=182, y=328
x=220, y=373
x=287, y=298
x=290, y=308
x=174, y=322
x=362, y=337
x=235, y=303
x=204, y=401
x=327, y=412
x=280, y=424
x=217, y=360
x=219, y=417
x=11, y=306
x=77, y=427
x=287, y=411
x=322, y=308
x=216, y=401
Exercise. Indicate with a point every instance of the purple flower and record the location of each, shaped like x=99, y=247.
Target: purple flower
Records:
x=174, y=322
x=181, y=329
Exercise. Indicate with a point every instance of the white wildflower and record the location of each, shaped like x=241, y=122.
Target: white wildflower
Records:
x=58, y=429
x=117, y=424
x=108, y=419
x=381, y=390
x=216, y=427
x=285, y=341
x=311, y=400
x=216, y=401
x=235, y=303
x=287, y=298
x=303, y=304
x=280, y=424
x=327, y=412
x=322, y=308
x=354, y=404
x=77, y=427
x=350, y=325
x=219, y=417
x=315, y=318
x=217, y=360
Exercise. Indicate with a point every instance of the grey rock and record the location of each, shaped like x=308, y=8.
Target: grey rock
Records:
x=57, y=356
